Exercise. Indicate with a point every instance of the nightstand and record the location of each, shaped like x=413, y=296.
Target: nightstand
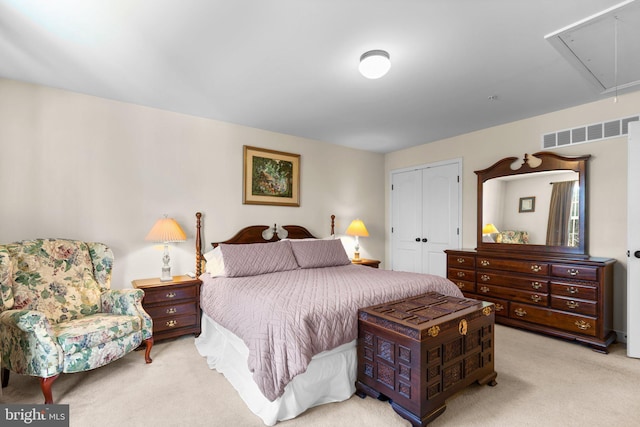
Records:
x=173, y=305
x=368, y=262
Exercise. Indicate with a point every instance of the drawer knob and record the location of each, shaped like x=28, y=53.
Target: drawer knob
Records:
x=171, y=295
x=573, y=271
x=536, y=285
x=499, y=307
x=484, y=263
x=460, y=285
x=520, y=312
x=172, y=323
x=581, y=324
x=536, y=268
x=460, y=260
x=572, y=290
x=484, y=289
x=485, y=278
x=171, y=310
x=572, y=304
x=461, y=274
x=536, y=298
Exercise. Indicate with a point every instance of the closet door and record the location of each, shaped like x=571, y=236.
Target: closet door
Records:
x=633, y=242
x=425, y=217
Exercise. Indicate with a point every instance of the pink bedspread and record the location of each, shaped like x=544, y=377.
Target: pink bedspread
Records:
x=286, y=318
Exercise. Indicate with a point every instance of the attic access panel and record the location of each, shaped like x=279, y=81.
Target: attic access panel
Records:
x=606, y=56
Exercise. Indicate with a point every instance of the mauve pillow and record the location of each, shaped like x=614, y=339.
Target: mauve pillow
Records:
x=257, y=258
x=319, y=253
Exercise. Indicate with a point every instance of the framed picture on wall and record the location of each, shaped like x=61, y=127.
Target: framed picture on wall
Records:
x=271, y=177
x=527, y=204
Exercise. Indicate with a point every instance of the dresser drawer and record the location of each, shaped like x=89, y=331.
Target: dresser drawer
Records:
x=464, y=285
x=574, y=290
x=590, y=308
x=170, y=293
x=461, y=261
x=498, y=278
x=575, y=272
x=175, y=322
x=455, y=274
x=554, y=318
x=512, y=294
x=172, y=310
x=537, y=268
x=501, y=306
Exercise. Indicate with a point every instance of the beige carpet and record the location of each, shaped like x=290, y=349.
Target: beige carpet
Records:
x=541, y=382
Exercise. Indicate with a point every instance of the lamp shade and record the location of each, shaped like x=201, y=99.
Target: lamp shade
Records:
x=166, y=230
x=374, y=64
x=357, y=228
x=489, y=229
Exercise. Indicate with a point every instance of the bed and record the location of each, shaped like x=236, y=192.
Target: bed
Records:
x=279, y=315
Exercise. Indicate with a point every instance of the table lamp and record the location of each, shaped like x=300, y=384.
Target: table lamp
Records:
x=488, y=232
x=357, y=229
x=166, y=230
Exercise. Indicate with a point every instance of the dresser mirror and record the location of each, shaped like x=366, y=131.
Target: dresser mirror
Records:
x=537, y=206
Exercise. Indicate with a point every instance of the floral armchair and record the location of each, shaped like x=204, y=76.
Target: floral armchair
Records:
x=57, y=313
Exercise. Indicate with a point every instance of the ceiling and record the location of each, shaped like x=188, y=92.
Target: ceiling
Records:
x=291, y=66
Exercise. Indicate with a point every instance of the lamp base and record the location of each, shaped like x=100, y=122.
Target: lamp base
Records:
x=166, y=275
x=356, y=256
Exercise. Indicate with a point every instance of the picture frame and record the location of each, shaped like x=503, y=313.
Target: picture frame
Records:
x=270, y=177
x=527, y=204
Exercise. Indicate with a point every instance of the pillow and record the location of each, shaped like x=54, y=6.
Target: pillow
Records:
x=257, y=258
x=319, y=253
x=215, y=262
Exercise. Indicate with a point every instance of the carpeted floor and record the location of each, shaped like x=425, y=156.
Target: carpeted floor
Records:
x=542, y=381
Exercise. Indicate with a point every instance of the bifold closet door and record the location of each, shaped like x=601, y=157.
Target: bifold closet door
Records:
x=633, y=241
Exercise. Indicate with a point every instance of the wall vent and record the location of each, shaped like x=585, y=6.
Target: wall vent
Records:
x=588, y=133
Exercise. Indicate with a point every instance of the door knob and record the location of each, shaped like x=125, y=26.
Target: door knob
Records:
x=425, y=241
x=636, y=254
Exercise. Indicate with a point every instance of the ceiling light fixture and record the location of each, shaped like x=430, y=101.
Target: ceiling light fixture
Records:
x=374, y=64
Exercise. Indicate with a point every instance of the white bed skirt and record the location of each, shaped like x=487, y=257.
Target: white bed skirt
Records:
x=330, y=377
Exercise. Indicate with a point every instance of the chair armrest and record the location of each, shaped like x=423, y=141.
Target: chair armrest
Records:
x=27, y=340
x=128, y=302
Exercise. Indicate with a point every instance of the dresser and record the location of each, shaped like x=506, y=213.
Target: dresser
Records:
x=559, y=296
x=173, y=305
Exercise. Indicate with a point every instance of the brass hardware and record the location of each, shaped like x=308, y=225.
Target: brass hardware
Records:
x=536, y=298
x=486, y=311
x=535, y=268
x=171, y=295
x=520, y=312
x=536, y=285
x=462, y=327
x=572, y=290
x=172, y=323
x=171, y=310
x=484, y=289
x=461, y=274
x=460, y=285
x=581, y=324
x=484, y=263
x=460, y=260
x=485, y=278
x=572, y=304
x=573, y=271
x=499, y=307
x=433, y=331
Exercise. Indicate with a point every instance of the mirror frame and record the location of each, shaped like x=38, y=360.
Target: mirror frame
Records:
x=548, y=162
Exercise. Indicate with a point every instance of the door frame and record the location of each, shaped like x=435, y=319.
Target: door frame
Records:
x=457, y=161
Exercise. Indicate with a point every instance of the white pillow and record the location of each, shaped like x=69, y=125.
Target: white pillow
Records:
x=215, y=262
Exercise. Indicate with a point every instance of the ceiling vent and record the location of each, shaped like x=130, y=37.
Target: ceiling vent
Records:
x=588, y=133
x=604, y=47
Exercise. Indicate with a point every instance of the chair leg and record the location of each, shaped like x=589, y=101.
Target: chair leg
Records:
x=147, y=354
x=45, y=385
x=5, y=377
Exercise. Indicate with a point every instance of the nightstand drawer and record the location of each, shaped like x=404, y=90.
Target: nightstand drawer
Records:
x=172, y=310
x=168, y=323
x=170, y=293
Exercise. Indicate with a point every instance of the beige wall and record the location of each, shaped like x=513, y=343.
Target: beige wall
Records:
x=607, y=179
x=82, y=167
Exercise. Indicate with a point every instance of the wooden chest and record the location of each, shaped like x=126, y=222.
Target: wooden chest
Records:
x=419, y=351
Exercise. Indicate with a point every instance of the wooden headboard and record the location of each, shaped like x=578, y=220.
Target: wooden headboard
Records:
x=252, y=234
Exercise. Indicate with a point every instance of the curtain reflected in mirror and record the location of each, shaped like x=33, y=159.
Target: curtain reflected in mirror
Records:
x=564, y=222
